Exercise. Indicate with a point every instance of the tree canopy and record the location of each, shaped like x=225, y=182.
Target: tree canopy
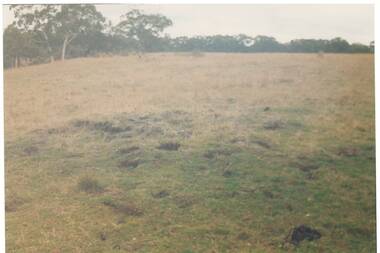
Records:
x=48, y=32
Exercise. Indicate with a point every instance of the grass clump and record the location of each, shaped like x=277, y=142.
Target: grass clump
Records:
x=90, y=185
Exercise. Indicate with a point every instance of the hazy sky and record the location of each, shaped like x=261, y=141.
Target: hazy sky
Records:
x=284, y=22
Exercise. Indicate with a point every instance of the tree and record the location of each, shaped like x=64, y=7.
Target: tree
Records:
x=146, y=29
x=19, y=47
x=75, y=19
x=266, y=44
x=58, y=23
x=37, y=18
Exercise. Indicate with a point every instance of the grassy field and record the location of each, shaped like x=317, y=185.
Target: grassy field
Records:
x=177, y=153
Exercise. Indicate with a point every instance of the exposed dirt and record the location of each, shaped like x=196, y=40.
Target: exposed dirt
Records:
x=228, y=173
x=128, y=150
x=124, y=208
x=103, y=126
x=303, y=232
x=263, y=144
x=184, y=201
x=307, y=167
x=129, y=163
x=160, y=194
x=243, y=236
x=211, y=154
x=349, y=152
x=274, y=125
x=170, y=146
x=31, y=150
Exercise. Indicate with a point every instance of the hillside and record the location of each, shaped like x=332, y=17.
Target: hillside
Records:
x=191, y=153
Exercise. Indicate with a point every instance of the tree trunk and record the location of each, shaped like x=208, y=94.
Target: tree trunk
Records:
x=48, y=46
x=16, y=62
x=65, y=42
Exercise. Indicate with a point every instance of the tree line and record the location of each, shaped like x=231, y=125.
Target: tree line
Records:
x=43, y=33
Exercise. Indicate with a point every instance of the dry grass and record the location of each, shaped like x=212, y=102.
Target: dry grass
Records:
x=232, y=175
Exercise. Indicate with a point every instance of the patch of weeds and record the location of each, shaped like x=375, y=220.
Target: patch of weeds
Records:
x=170, y=146
x=90, y=185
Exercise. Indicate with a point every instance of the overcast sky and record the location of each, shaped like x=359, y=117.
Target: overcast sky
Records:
x=284, y=22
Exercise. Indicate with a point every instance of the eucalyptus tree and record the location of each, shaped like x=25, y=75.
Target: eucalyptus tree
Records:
x=58, y=23
x=146, y=29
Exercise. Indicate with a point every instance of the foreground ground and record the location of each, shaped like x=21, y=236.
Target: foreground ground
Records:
x=182, y=153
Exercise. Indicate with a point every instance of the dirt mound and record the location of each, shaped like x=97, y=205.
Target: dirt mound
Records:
x=263, y=144
x=103, y=126
x=128, y=150
x=124, y=208
x=211, y=154
x=129, y=163
x=160, y=194
x=303, y=232
x=348, y=151
x=273, y=125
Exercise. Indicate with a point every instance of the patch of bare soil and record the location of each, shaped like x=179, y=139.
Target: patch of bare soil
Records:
x=349, y=152
x=124, y=208
x=31, y=150
x=274, y=125
x=103, y=126
x=160, y=194
x=129, y=164
x=303, y=232
x=263, y=144
x=184, y=201
x=124, y=151
x=211, y=154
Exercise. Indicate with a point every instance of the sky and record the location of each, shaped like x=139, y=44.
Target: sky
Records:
x=352, y=22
